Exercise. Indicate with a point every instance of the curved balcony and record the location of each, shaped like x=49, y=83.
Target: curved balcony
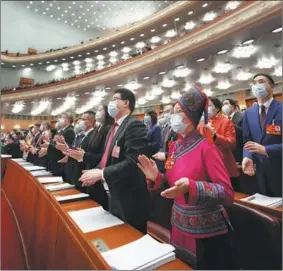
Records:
x=159, y=16
x=250, y=13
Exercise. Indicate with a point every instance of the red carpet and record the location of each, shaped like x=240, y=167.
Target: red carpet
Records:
x=12, y=257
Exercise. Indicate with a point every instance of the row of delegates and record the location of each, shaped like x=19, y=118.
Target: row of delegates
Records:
x=220, y=131
x=124, y=183
x=200, y=186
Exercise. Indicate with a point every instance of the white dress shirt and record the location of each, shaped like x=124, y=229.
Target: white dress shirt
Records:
x=266, y=105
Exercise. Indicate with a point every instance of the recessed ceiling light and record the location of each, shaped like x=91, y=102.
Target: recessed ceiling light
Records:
x=58, y=19
x=248, y=42
x=96, y=51
x=146, y=77
x=47, y=62
x=58, y=8
x=36, y=10
x=50, y=4
x=84, y=29
x=119, y=85
x=74, y=3
x=164, y=25
x=79, y=55
x=190, y=13
x=42, y=1
x=13, y=66
x=55, y=60
x=2, y=63
x=65, y=22
x=47, y=9
x=71, y=57
x=132, y=38
x=122, y=42
x=152, y=30
x=66, y=11
x=88, y=53
x=70, y=7
x=177, y=19
x=222, y=52
x=105, y=48
x=39, y=63
x=59, y=98
x=142, y=35
x=31, y=2
x=51, y=16
x=277, y=30
x=81, y=6
x=27, y=6
x=31, y=64
x=200, y=59
x=43, y=12
x=205, y=5
x=161, y=73
x=22, y=65
x=113, y=45
x=86, y=92
x=62, y=15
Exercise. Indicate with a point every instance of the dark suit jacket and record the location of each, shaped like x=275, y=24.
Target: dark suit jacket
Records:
x=268, y=169
x=154, y=139
x=238, y=124
x=32, y=158
x=127, y=185
x=55, y=155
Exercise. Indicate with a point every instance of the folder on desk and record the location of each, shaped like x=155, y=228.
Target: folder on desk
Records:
x=40, y=173
x=33, y=168
x=58, y=187
x=53, y=179
x=71, y=197
x=17, y=160
x=94, y=219
x=144, y=253
x=262, y=200
x=6, y=156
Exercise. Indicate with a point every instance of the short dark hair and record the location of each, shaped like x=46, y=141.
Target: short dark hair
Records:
x=69, y=116
x=232, y=102
x=48, y=124
x=37, y=125
x=270, y=79
x=90, y=112
x=153, y=116
x=126, y=94
x=216, y=102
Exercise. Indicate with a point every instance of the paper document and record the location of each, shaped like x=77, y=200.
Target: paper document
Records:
x=94, y=219
x=264, y=200
x=70, y=197
x=59, y=187
x=25, y=164
x=50, y=179
x=161, y=261
x=40, y=173
x=6, y=156
x=33, y=168
x=139, y=254
x=18, y=160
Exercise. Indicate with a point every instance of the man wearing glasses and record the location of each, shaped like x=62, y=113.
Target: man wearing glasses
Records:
x=262, y=132
x=124, y=183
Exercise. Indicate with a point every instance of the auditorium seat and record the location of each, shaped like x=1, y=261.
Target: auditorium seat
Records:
x=257, y=238
x=12, y=247
x=158, y=232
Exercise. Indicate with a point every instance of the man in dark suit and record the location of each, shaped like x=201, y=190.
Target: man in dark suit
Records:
x=230, y=111
x=32, y=158
x=67, y=135
x=123, y=181
x=262, y=132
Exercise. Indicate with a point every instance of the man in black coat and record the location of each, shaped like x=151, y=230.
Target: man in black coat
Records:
x=67, y=135
x=230, y=111
x=123, y=181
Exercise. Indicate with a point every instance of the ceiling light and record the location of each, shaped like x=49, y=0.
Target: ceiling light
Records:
x=243, y=76
x=175, y=95
x=74, y=3
x=31, y=2
x=86, y=92
x=205, y=5
x=146, y=77
x=157, y=91
x=161, y=73
x=105, y=48
x=209, y=16
x=47, y=9
x=190, y=25
x=88, y=60
x=266, y=63
x=58, y=8
x=65, y=69
x=47, y=62
x=113, y=60
x=77, y=67
x=100, y=57
x=65, y=22
x=141, y=101
x=200, y=60
x=122, y=42
x=113, y=53
x=177, y=19
x=39, y=63
x=140, y=45
x=36, y=10
x=13, y=66
x=119, y=85
x=126, y=50
x=63, y=59
x=101, y=63
x=208, y=92
x=18, y=107
x=277, y=30
x=165, y=100
x=89, y=65
x=168, y=83
x=222, y=68
x=244, y=51
x=50, y=68
x=181, y=72
x=152, y=30
x=27, y=6
x=70, y=7
x=31, y=64
x=150, y=96
x=113, y=45
x=41, y=107
x=133, y=85
x=125, y=56
x=170, y=33
x=88, y=53
x=132, y=38
x=76, y=62
x=55, y=60
x=278, y=71
x=190, y=12
x=206, y=79
x=248, y=42
x=107, y=88
x=164, y=25
x=232, y=5
x=50, y=4
x=222, y=52
x=71, y=57
x=155, y=39
x=141, y=35
x=27, y=69
x=223, y=84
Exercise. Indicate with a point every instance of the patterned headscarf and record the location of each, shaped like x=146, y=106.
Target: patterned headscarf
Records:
x=194, y=103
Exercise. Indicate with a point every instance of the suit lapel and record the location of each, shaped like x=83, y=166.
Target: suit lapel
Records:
x=269, y=117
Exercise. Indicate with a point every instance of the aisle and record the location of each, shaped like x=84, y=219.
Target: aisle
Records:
x=12, y=257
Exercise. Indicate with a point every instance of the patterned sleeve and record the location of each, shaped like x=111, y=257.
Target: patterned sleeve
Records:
x=156, y=185
x=219, y=190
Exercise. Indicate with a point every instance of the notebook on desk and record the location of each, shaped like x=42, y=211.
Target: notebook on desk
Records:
x=262, y=200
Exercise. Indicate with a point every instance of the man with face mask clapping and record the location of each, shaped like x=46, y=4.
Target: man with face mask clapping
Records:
x=262, y=132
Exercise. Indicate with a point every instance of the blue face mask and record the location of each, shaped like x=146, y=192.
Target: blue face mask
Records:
x=113, y=109
x=260, y=90
x=177, y=124
x=147, y=120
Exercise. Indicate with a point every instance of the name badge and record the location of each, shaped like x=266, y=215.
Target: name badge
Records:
x=273, y=129
x=116, y=151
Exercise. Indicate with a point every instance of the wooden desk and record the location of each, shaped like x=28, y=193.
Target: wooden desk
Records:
x=276, y=212
x=52, y=240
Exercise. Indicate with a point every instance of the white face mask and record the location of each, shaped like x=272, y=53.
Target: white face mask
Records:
x=210, y=111
x=100, y=116
x=177, y=125
x=260, y=90
x=113, y=109
x=167, y=117
x=226, y=109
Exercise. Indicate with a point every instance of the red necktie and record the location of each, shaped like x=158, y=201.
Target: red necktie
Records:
x=107, y=149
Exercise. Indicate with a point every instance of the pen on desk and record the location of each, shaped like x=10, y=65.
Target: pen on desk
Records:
x=251, y=198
